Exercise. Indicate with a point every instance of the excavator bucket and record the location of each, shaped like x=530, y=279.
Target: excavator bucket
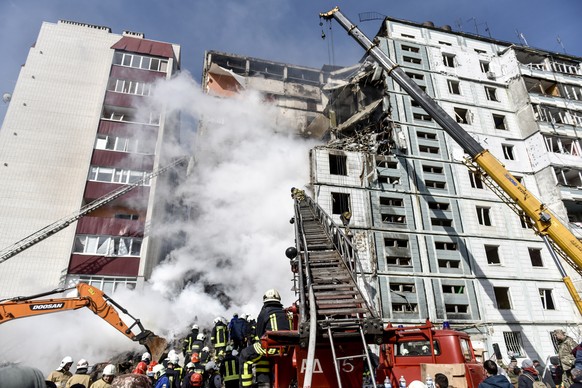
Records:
x=155, y=345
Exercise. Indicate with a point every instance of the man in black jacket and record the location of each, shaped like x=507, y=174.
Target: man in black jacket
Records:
x=271, y=318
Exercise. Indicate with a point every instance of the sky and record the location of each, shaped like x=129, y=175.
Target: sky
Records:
x=240, y=226
x=286, y=31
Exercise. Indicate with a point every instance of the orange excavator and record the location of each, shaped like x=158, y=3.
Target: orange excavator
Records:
x=92, y=298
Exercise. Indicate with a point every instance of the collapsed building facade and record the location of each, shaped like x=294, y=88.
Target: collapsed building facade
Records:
x=79, y=126
x=437, y=242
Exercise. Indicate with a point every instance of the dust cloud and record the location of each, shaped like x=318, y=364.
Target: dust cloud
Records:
x=229, y=233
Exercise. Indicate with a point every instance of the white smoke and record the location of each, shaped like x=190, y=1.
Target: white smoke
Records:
x=235, y=234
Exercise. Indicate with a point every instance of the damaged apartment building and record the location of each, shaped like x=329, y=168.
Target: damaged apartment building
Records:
x=438, y=243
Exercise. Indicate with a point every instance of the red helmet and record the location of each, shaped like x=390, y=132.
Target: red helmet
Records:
x=195, y=358
x=196, y=380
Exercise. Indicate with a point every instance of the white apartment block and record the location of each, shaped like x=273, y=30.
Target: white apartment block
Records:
x=438, y=242
x=72, y=134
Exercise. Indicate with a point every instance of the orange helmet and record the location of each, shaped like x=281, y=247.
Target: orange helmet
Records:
x=195, y=358
x=196, y=380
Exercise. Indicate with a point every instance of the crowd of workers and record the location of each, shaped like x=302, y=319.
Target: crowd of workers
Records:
x=232, y=356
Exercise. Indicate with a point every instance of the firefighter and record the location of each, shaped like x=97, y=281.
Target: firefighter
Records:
x=271, y=318
x=161, y=379
x=174, y=371
x=142, y=366
x=106, y=378
x=229, y=368
x=236, y=329
x=61, y=374
x=219, y=336
x=81, y=377
x=197, y=344
x=189, y=340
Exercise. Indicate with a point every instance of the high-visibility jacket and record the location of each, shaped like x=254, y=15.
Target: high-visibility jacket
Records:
x=229, y=369
x=219, y=336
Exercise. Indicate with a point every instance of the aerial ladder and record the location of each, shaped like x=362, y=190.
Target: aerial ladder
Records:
x=561, y=242
x=61, y=224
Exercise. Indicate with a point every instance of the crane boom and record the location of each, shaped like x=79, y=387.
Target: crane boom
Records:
x=545, y=223
x=61, y=224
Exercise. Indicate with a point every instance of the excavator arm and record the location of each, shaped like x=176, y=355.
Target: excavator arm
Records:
x=561, y=240
x=92, y=298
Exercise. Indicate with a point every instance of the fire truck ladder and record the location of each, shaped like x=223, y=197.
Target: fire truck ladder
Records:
x=330, y=274
x=61, y=224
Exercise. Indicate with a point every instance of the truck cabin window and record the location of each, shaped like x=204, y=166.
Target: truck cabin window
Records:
x=417, y=348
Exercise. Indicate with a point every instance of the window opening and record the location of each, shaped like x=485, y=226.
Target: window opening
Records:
x=535, y=255
x=475, y=180
x=502, y=298
x=492, y=253
x=508, y=152
x=499, y=121
x=340, y=203
x=449, y=60
x=454, y=87
x=338, y=164
x=547, y=299
x=491, y=93
x=483, y=215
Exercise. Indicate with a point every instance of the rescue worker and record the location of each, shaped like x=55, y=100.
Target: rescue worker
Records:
x=189, y=371
x=142, y=366
x=229, y=368
x=205, y=355
x=160, y=377
x=174, y=371
x=197, y=344
x=61, y=375
x=196, y=380
x=493, y=380
x=271, y=318
x=219, y=336
x=106, y=378
x=297, y=194
x=236, y=329
x=188, y=341
x=212, y=378
x=565, y=346
x=81, y=376
x=513, y=372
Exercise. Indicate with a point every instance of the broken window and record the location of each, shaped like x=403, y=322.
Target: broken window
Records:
x=386, y=164
x=454, y=87
x=492, y=254
x=407, y=36
x=541, y=86
x=435, y=184
x=449, y=60
x=502, y=298
x=398, y=261
x=426, y=135
x=568, y=176
x=478, y=51
x=421, y=117
x=535, y=255
x=410, y=48
x=395, y=242
x=116, y=175
x=393, y=219
x=415, y=76
x=107, y=245
x=413, y=60
x=508, y=151
x=499, y=121
x=550, y=114
x=484, y=65
x=462, y=116
x=491, y=93
x=387, y=201
x=434, y=221
x=450, y=289
x=475, y=180
x=109, y=284
x=524, y=220
x=340, y=203
x=562, y=145
x=432, y=169
x=404, y=307
x=338, y=164
x=483, y=215
x=456, y=308
x=428, y=149
x=546, y=298
x=445, y=43
x=566, y=67
x=438, y=205
x=449, y=263
x=573, y=92
x=402, y=287
x=387, y=179
x=445, y=246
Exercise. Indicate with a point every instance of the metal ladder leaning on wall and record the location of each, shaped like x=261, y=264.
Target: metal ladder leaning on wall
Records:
x=332, y=275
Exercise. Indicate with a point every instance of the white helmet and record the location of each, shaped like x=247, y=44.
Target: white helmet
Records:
x=172, y=353
x=146, y=356
x=195, y=327
x=235, y=352
x=65, y=361
x=159, y=369
x=190, y=365
x=109, y=370
x=206, y=349
x=174, y=359
x=82, y=364
x=271, y=295
x=217, y=319
x=200, y=337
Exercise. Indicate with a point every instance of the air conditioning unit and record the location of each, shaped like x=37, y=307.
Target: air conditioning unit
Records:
x=490, y=75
